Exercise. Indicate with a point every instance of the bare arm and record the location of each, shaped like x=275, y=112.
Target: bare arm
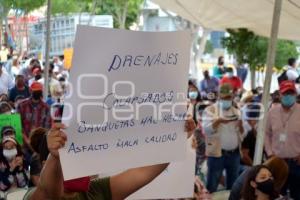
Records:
x=35, y=179
x=50, y=185
x=126, y=183
x=246, y=158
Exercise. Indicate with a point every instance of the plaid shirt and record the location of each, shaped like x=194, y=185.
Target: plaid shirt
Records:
x=34, y=115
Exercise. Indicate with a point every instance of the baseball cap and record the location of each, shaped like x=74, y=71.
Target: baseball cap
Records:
x=36, y=86
x=225, y=90
x=287, y=86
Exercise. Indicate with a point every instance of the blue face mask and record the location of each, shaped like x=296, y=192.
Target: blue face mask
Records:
x=193, y=95
x=288, y=100
x=229, y=74
x=225, y=104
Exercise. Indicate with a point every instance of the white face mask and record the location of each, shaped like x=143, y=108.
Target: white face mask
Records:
x=10, y=154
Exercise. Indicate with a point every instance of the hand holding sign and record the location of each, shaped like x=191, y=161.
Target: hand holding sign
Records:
x=56, y=139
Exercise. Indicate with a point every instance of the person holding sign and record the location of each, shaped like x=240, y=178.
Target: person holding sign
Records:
x=116, y=187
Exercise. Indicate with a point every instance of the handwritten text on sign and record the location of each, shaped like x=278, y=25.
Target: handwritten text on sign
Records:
x=127, y=108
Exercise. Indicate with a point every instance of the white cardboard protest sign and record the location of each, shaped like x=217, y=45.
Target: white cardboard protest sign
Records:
x=177, y=181
x=127, y=106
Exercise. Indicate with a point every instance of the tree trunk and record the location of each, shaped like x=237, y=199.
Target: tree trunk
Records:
x=1, y=31
x=201, y=49
x=93, y=11
x=6, y=31
x=124, y=16
x=253, y=77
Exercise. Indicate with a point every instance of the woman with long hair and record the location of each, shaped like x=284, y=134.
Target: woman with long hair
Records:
x=259, y=184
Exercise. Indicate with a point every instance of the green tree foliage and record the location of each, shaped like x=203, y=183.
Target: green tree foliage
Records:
x=124, y=12
x=285, y=49
x=66, y=7
x=27, y=5
x=252, y=49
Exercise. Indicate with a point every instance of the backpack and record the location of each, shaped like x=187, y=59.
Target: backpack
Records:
x=282, y=77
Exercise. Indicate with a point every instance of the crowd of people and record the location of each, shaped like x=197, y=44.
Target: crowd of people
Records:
x=224, y=127
x=227, y=119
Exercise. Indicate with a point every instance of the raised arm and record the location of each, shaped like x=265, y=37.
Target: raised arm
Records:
x=50, y=184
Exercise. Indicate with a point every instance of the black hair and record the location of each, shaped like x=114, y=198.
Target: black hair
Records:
x=291, y=61
x=220, y=59
x=229, y=69
x=4, y=128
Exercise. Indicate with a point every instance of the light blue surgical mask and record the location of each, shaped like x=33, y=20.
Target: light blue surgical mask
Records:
x=225, y=104
x=193, y=95
x=229, y=74
x=288, y=100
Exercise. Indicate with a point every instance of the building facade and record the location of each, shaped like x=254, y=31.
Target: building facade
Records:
x=63, y=29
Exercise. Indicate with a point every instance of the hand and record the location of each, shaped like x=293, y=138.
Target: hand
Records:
x=219, y=121
x=56, y=139
x=26, y=140
x=19, y=161
x=13, y=164
x=189, y=126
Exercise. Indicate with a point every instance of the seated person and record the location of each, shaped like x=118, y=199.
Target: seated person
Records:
x=13, y=171
x=259, y=184
x=52, y=186
x=279, y=170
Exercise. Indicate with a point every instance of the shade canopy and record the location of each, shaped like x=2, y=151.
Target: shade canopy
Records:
x=255, y=15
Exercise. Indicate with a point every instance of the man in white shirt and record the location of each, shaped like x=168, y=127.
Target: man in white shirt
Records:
x=6, y=81
x=292, y=72
x=223, y=127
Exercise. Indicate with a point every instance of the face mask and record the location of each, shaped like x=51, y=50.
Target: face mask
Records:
x=10, y=154
x=77, y=185
x=37, y=95
x=193, y=95
x=288, y=100
x=20, y=84
x=38, y=77
x=225, y=104
x=229, y=74
x=266, y=187
x=221, y=63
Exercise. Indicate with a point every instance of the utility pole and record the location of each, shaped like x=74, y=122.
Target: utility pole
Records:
x=265, y=99
x=47, y=56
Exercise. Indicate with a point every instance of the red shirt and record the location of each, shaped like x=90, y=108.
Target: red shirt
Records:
x=235, y=82
x=34, y=115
